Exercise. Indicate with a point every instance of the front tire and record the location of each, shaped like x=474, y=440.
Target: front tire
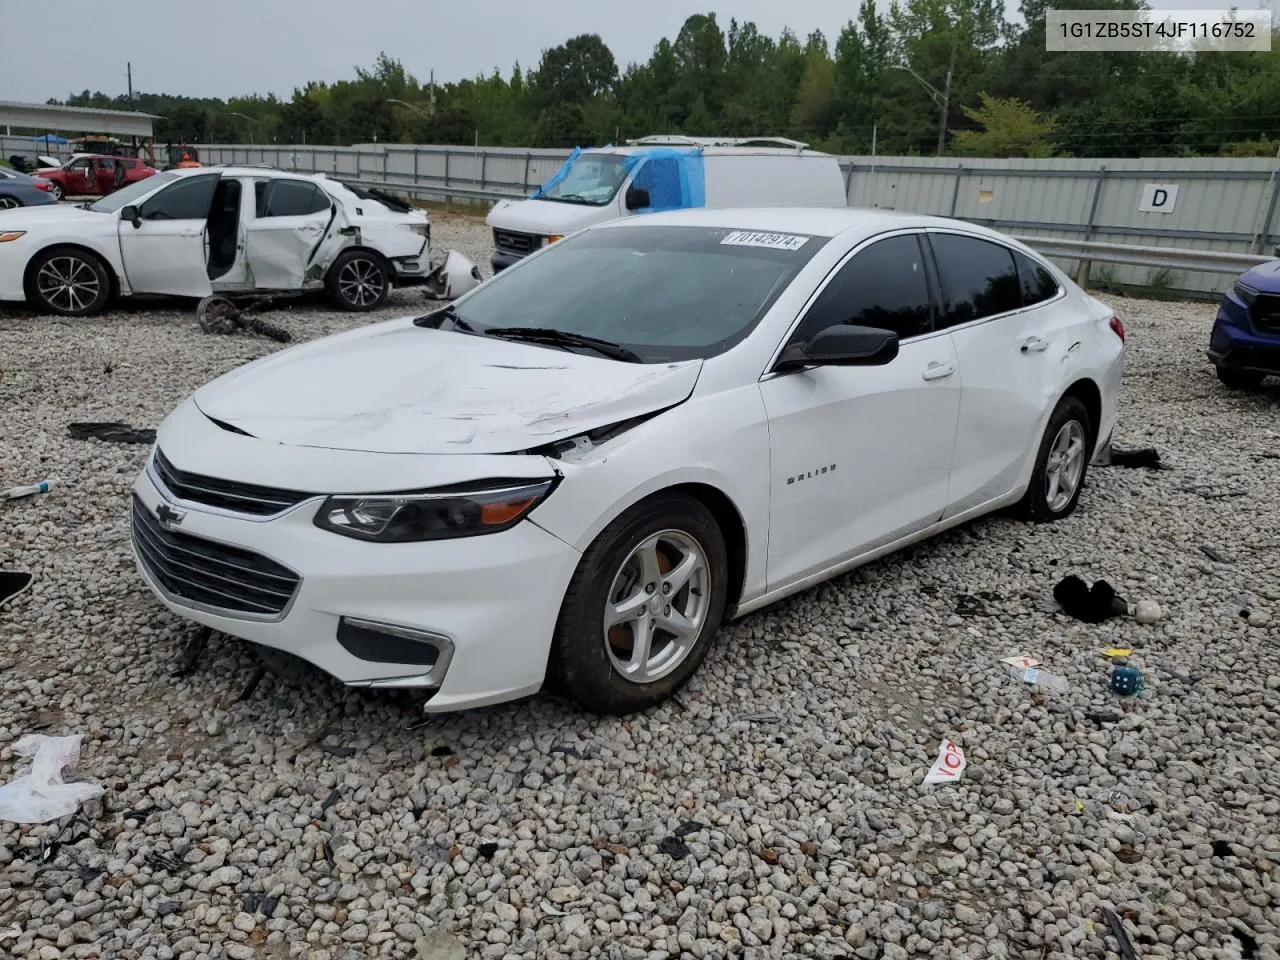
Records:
x=1061, y=464
x=1240, y=379
x=359, y=281
x=643, y=607
x=69, y=282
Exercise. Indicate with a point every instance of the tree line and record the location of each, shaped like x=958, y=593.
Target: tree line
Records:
x=881, y=86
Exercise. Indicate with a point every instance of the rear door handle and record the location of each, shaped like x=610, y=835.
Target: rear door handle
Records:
x=1034, y=345
x=938, y=371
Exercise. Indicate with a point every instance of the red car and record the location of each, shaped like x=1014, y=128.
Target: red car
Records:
x=94, y=176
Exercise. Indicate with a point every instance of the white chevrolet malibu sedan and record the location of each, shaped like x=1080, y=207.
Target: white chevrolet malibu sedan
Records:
x=578, y=470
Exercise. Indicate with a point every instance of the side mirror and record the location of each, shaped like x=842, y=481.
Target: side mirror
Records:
x=131, y=214
x=637, y=198
x=842, y=346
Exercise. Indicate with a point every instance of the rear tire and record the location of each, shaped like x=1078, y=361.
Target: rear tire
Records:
x=68, y=281
x=664, y=566
x=55, y=191
x=10, y=203
x=1240, y=379
x=1061, y=464
x=359, y=281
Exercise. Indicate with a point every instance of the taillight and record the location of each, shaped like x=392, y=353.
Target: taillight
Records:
x=1117, y=328
x=41, y=185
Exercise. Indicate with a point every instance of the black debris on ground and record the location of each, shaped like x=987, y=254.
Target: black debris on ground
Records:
x=487, y=850
x=112, y=432
x=1089, y=604
x=12, y=583
x=674, y=847
x=189, y=659
x=689, y=827
x=1147, y=457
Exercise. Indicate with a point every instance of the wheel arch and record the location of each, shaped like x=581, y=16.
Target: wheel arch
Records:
x=28, y=272
x=1087, y=392
x=360, y=248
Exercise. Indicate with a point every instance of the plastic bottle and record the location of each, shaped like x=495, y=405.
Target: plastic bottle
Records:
x=13, y=493
x=1035, y=677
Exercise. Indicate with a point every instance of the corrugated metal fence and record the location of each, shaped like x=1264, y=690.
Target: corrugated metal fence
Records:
x=1219, y=204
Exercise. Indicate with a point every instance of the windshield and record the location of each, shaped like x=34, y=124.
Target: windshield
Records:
x=593, y=179
x=665, y=293
x=115, y=202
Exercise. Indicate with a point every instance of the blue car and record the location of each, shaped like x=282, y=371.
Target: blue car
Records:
x=1245, y=344
x=19, y=190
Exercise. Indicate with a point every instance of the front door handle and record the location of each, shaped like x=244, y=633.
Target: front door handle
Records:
x=938, y=371
x=1034, y=345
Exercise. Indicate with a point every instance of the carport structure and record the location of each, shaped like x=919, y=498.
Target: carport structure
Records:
x=42, y=117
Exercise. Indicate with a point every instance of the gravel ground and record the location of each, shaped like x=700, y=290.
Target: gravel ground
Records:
x=775, y=810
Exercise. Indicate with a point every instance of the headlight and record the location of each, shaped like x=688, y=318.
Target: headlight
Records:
x=7, y=236
x=421, y=229
x=441, y=514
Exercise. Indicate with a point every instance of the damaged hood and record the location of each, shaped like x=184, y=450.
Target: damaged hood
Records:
x=546, y=217
x=397, y=388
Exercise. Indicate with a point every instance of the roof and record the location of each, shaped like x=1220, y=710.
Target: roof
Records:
x=87, y=120
x=758, y=147
x=815, y=221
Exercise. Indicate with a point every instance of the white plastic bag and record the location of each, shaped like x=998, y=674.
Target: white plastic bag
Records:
x=38, y=794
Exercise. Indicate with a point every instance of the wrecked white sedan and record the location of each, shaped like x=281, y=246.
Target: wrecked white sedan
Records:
x=232, y=230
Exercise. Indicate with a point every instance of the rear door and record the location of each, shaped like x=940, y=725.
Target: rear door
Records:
x=291, y=219
x=1004, y=313
x=165, y=253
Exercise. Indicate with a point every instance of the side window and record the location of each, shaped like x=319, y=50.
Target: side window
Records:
x=292, y=198
x=1038, y=284
x=80, y=166
x=188, y=199
x=978, y=277
x=883, y=286
x=106, y=164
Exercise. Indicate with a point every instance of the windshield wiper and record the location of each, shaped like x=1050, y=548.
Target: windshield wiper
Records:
x=562, y=338
x=437, y=317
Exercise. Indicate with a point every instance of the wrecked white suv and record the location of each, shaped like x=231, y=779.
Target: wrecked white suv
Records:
x=230, y=230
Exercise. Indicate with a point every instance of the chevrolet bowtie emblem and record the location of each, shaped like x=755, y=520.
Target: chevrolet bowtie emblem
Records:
x=168, y=516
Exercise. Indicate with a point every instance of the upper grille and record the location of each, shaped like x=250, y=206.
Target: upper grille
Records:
x=227, y=494
x=514, y=242
x=208, y=573
x=1264, y=313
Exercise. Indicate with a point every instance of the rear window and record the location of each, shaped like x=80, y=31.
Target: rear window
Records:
x=667, y=293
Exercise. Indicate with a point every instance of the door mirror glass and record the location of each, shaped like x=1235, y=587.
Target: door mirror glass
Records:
x=131, y=214
x=637, y=198
x=842, y=345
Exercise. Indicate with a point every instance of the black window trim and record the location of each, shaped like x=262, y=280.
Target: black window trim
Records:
x=931, y=279
x=1033, y=257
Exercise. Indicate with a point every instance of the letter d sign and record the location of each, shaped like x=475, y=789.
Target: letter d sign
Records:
x=1158, y=197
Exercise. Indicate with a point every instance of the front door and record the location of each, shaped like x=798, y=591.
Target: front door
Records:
x=166, y=252
x=76, y=178
x=291, y=219
x=860, y=455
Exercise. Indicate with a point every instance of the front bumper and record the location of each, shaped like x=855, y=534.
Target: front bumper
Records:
x=501, y=259
x=1236, y=345
x=14, y=257
x=488, y=604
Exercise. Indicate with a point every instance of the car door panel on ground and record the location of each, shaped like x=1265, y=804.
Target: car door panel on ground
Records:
x=166, y=252
x=860, y=455
x=1011, y=332
x=291, y=219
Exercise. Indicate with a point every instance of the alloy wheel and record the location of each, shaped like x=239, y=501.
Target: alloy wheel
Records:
x=361, y=282
x=68, y=283
x=9, y=203
x=657, y=606
x=1065, y=466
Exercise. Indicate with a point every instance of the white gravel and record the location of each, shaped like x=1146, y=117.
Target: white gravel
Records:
x=793, y=760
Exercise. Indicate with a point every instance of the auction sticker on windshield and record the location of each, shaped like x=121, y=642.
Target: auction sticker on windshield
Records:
x=773, y=241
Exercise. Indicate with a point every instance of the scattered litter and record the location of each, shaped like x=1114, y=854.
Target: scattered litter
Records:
x=113, y=432
x=1135, y=457
x=762, y=718
x=442, y=751
x=89, y=874
x=141, y=816
x=551, y=911
x=1089, y=604
x=30, y=490
x=1147, y=612
x=949, y=765
x=251, y=687
x=1104, y=716
x=73, y=828
x=1117, y=652
x=1023, y=661
x=1222, y=849
x=438, y=945
x=337, y=751
x=158, y=861
x=334, y=797
x=1126, y=681
x=689, y=827
x=1117, y=930
x=975, y=605
x=1213, y=554
x=39, y=794
x=328, y=853
x=217, y=314
x=254, y=902
x=12, y=583
x=674, y=847
x=189, y=659
x=487, y=850
x=167, y=908
x=1043, y=679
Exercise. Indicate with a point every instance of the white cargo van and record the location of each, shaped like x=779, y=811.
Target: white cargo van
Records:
x=664, y=173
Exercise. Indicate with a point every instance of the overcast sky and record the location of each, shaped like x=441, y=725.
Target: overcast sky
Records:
x=233, y=47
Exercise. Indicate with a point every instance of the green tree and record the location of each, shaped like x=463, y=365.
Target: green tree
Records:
x=562, y=125
x=1010, y=128
x=576, y=71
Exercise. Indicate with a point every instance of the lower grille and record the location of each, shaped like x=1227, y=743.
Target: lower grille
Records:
x=211, y=574
x=226, y=494
x=1264, y=313
x=513, y=242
